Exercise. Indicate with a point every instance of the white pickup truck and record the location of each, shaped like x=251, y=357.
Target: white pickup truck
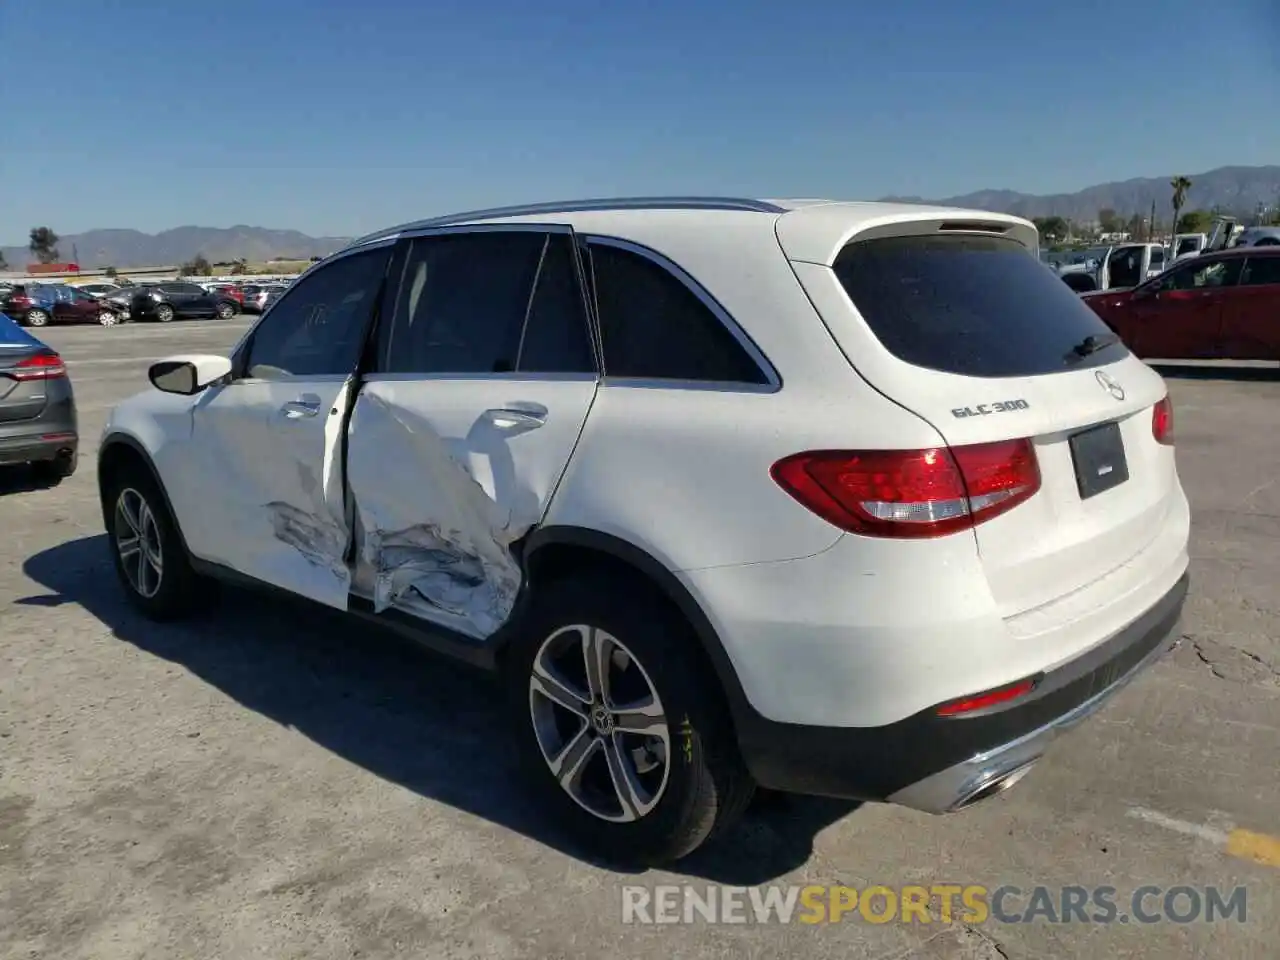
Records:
x=1116, y=268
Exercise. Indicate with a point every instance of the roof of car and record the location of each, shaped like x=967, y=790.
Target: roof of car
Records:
x=1263, y=251
x=808, y=229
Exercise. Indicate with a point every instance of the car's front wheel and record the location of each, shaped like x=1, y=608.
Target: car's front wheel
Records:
x=226, y=311
x=108, y=318
x=624, y=731
x=164, y=313
x=149, y=556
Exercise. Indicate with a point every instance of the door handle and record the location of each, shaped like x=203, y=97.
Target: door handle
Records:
x=506, y=418
x=302, y=407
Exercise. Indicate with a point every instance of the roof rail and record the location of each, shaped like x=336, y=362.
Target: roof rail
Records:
x=582, y=206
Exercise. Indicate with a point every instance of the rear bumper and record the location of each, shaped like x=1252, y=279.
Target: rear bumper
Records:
x=936, y=764
x=47, y=444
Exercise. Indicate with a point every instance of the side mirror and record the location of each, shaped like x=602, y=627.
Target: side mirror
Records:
x=188, y=375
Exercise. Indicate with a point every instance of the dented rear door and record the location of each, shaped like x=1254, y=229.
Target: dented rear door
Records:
x=458, y=439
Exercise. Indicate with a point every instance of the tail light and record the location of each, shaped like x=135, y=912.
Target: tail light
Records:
x=1162, y=422
x=912, y=493
x=43, y=366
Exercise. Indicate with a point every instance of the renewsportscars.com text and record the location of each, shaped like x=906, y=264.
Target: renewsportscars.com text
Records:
x=938, y=903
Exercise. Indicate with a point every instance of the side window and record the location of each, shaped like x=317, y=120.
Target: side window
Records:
x=1261, y=272
x=1197, y=276
x=653, y=326
x=556, y=336
x=318, y=329
x=462, y=302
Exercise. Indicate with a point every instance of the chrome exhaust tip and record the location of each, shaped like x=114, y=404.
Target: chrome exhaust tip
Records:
x=991, y=784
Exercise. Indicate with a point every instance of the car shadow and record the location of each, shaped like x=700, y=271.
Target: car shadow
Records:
x=420, y=721
x=23, y=478
x=1215, y=371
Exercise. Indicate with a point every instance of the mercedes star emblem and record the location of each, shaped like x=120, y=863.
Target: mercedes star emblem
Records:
x=1109, y=384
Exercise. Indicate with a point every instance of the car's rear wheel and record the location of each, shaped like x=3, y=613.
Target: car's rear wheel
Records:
x=226, y=311
x=147, y=552
x=164, y=313
x=37, y=318
x=623, y=730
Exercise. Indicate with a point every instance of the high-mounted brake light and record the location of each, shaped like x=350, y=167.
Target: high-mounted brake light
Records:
x=1162, y=422
x=912, y=493
x=43, y=366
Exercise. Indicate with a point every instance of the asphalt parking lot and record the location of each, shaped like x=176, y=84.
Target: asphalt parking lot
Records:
x=273, y=782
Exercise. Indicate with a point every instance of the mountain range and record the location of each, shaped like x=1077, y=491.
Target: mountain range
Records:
x=1236, y=190
x=132, y=248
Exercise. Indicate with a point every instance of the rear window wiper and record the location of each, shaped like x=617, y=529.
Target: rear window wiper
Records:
x=1091, y=345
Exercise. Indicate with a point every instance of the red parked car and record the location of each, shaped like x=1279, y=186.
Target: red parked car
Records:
x=1221, y=306
x=230, y=290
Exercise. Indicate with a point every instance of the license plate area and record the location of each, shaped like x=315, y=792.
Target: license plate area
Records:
x=1099, y=460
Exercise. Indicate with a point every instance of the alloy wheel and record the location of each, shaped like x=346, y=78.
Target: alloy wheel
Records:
x=37, y=318
x=599, y=723
x=108, y=318
x=164, y=313
x=138, y=542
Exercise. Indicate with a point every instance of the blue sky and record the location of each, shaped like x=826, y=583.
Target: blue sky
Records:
x=340, y=117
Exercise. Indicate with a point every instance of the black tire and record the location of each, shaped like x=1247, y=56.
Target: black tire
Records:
x=707, y=786
x=36, y=318
x=164, y=313
x=180, y=589
x=226, y=311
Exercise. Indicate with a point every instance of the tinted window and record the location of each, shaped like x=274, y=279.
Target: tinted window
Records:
x=556, y=337
x=654, y=326
x=1195, y=276
x=976, y=306
x=319, y=327
x=1261, y=271
x=462, y=302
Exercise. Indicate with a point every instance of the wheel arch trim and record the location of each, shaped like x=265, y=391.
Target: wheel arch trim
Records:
x=666, y=582
x=132, y=443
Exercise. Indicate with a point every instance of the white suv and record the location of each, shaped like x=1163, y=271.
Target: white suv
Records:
x=852, y=499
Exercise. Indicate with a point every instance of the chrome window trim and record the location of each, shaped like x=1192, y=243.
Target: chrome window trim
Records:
x=504, y=377
x=735, y=330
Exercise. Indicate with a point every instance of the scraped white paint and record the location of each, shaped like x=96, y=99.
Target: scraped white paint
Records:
x=434, y=537
x=445, y=474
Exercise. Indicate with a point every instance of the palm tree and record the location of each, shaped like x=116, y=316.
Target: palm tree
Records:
x=1180, y=186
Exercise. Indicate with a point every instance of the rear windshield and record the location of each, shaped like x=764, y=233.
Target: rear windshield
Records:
x=970, y=305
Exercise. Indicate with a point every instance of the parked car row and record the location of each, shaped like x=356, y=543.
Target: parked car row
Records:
x=41, y=304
